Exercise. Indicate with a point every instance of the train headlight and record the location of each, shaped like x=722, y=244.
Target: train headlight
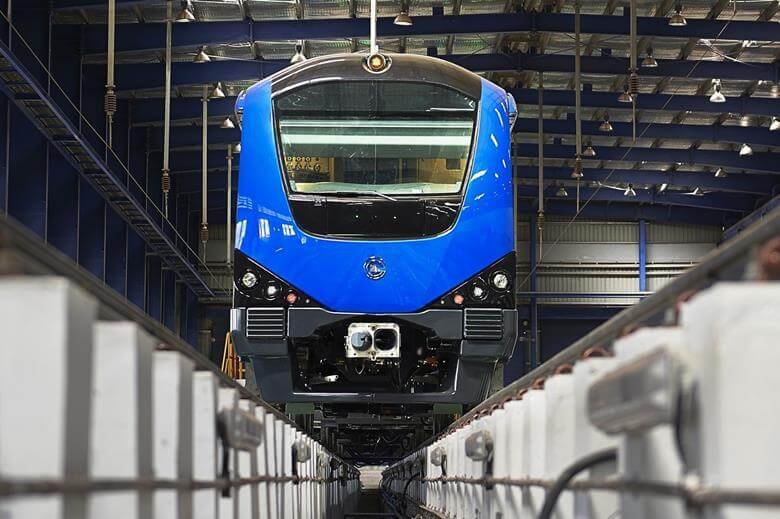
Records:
x=249, y=279
x=272, y=290
x=500, y=280
x=377, y=63
x=478, y=290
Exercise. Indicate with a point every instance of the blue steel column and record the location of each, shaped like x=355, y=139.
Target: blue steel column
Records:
x=534, y=346
x=642, y=256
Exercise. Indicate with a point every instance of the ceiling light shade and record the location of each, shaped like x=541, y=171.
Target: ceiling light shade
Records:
x=227, y=124
x=605, y=125
x=299, y=56
x=745, y=150
x=201, y=56
x=720, y=173
x=629, y=191
x=403, y=19
x=625, y=97
x=774, y=125
x=185, y=15
x=649, y=60
x=663, y=187
x=589, y=151
x=677, y=19
x=697, y=191
x=217, y=93
x=237, y=148
x=562, y=192
x=717, y=96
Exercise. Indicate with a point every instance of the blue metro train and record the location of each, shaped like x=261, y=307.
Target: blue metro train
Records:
x=375, y=232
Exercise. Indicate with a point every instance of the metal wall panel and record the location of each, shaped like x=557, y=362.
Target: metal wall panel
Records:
x=670, y=233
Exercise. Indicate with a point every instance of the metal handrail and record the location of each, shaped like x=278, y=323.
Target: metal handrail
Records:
x=82, y=117
x=722, y=263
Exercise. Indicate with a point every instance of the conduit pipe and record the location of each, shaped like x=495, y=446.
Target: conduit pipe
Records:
x=540, y=138
x=228, y=226
x=577, y=173
x=110, y=102
x=374, y=46
x=166, y=170
x=633, y=77
x=204, y=209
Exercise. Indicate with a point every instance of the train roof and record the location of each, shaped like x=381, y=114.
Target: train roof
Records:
x=404, y=67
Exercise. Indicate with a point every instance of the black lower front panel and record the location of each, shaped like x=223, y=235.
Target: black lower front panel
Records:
x=434, y=362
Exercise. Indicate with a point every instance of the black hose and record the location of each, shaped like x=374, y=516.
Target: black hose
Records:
x=551, y=499
x=406, y=487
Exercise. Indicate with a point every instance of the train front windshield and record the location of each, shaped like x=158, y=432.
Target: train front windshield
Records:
x=375, y=137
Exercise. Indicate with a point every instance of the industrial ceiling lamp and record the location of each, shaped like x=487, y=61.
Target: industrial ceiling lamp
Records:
x=774, y=125
x=589, y=150
x=721, y=173
x=649, y=60
x=745, y=150
x=227, y=124
x=201, y=56
x=625, y=97
x=677, y=19
x=629, y=191
x=185, y=15
x=217, y=93
x=403, y=19
x=562, y=193
x=605, y=125
x=237, y=148
x=299, y=56
x=717, y=96
x=697, y=191
x=576, y=172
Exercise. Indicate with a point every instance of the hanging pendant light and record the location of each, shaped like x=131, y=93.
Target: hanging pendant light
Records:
x=629, y=191
x=299, y=56
x=649, y=60
x=562, y=193
x=605, y=125
x=589, y=151
x=201, y=56
x=720, y=173
x=217, y=93
x=717, y=96
x=774, y=125
x=227, y=124
x=185, y=15
x=745, y=150
x=624, y=96
x=677, y=19
x=237, y=148
x=403, y=19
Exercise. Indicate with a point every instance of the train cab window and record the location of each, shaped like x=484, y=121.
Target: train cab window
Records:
x=376, y=138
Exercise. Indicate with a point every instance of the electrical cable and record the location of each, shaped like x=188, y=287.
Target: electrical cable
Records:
x=551, y=498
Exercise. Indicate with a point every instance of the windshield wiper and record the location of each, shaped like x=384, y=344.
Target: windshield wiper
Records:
x=358, y=193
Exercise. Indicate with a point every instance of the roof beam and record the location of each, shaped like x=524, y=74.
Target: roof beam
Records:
x=672, y=103
x=633, y=212
x=149, y=36
x=737, y=183
x=720, y=202
x=711, y=133
x=150, y=75
x=761, y=162
x=148, y=111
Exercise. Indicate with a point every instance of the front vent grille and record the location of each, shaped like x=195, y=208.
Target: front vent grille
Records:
x=265, y=323
x=485, y=324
